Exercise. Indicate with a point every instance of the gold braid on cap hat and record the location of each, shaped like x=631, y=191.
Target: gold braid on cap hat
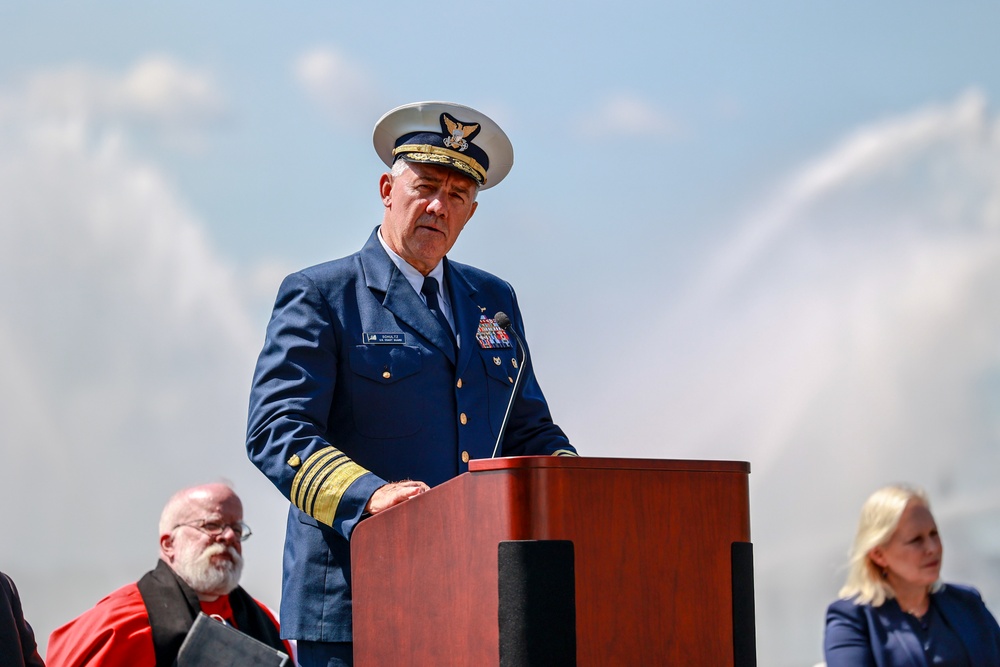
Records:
x=434, y=154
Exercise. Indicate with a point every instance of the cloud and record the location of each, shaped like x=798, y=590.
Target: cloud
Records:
x=125, y=337
x=160, y=88
x=629, y=116
x=158, y=94
x=870, y=151
x=120, y=302
x=341, y=87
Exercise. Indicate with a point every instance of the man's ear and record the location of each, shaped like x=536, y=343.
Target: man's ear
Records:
x=472, y=212
x=167, y=545
x=385, y=189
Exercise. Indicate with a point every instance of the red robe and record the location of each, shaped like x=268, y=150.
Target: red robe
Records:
x=116, y=632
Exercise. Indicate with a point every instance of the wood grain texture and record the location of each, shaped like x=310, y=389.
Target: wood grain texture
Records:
x=653, y=567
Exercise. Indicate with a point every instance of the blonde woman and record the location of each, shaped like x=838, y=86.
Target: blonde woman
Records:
x=894, y=610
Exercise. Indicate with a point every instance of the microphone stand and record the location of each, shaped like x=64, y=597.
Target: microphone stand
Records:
x=504, y=322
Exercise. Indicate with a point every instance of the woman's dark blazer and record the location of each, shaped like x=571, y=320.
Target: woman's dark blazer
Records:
x=860, y=635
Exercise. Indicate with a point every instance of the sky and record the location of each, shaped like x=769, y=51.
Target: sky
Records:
x=766, y=232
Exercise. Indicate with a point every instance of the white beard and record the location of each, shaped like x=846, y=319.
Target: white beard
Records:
x=207, y=577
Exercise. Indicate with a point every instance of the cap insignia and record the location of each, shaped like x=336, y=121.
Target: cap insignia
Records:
x=458, y=133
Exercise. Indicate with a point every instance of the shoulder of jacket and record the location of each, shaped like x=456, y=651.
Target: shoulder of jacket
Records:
x=959, y=590
x=472, y=273
x=330, y=267
x=846, y=603
x=849, y=607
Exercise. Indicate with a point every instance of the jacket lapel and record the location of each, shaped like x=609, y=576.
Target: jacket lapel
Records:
x=466, y=312
x=960, y=619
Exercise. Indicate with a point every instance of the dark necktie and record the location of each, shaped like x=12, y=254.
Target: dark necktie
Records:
x=430, y=292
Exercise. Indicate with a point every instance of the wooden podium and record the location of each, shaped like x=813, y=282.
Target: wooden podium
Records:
x=659, y=564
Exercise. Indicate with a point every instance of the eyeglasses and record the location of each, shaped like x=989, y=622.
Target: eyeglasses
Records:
x=216, y=528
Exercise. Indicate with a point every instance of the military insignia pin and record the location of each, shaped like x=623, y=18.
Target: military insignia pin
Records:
x=490, y=336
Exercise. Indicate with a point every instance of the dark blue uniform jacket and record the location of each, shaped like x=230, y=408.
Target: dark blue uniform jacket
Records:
x=358, y=385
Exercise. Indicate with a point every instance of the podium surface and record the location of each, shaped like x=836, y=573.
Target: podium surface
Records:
x=653, y=557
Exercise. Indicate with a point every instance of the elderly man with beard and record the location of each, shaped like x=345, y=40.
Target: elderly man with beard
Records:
x=144, y=623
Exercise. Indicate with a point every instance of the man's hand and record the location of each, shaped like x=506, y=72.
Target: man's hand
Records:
x=393, y=494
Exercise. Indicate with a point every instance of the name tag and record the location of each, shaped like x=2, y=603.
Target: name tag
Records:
x=384, y=338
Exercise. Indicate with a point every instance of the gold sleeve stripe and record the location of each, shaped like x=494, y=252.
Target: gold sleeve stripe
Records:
x=333, y=490
x=564, y=452
x=314, y=482
x=321, y=483
x=303, y=480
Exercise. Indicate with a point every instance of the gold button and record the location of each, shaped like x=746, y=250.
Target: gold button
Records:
x=459, y=383
x=295, y=461
x=386, y=375
x=462, y=418
x=514, y=362
x=465, y=457
x=510, y=379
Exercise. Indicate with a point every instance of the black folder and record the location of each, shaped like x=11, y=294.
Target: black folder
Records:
x=211, y=643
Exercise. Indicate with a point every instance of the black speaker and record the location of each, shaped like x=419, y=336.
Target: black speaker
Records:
x=537, y=612
x=744, y=626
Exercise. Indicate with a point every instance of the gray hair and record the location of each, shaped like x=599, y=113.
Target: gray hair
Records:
x=398, y=167
x=401, y=165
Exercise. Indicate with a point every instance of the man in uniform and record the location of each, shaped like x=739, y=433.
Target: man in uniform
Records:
x=145, y=623
x=383, y=373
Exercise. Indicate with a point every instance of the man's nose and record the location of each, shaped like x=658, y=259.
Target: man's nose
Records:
x=436, y=206
x=229, y=534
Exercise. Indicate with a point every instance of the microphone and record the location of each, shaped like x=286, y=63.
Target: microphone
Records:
x=504, y=323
